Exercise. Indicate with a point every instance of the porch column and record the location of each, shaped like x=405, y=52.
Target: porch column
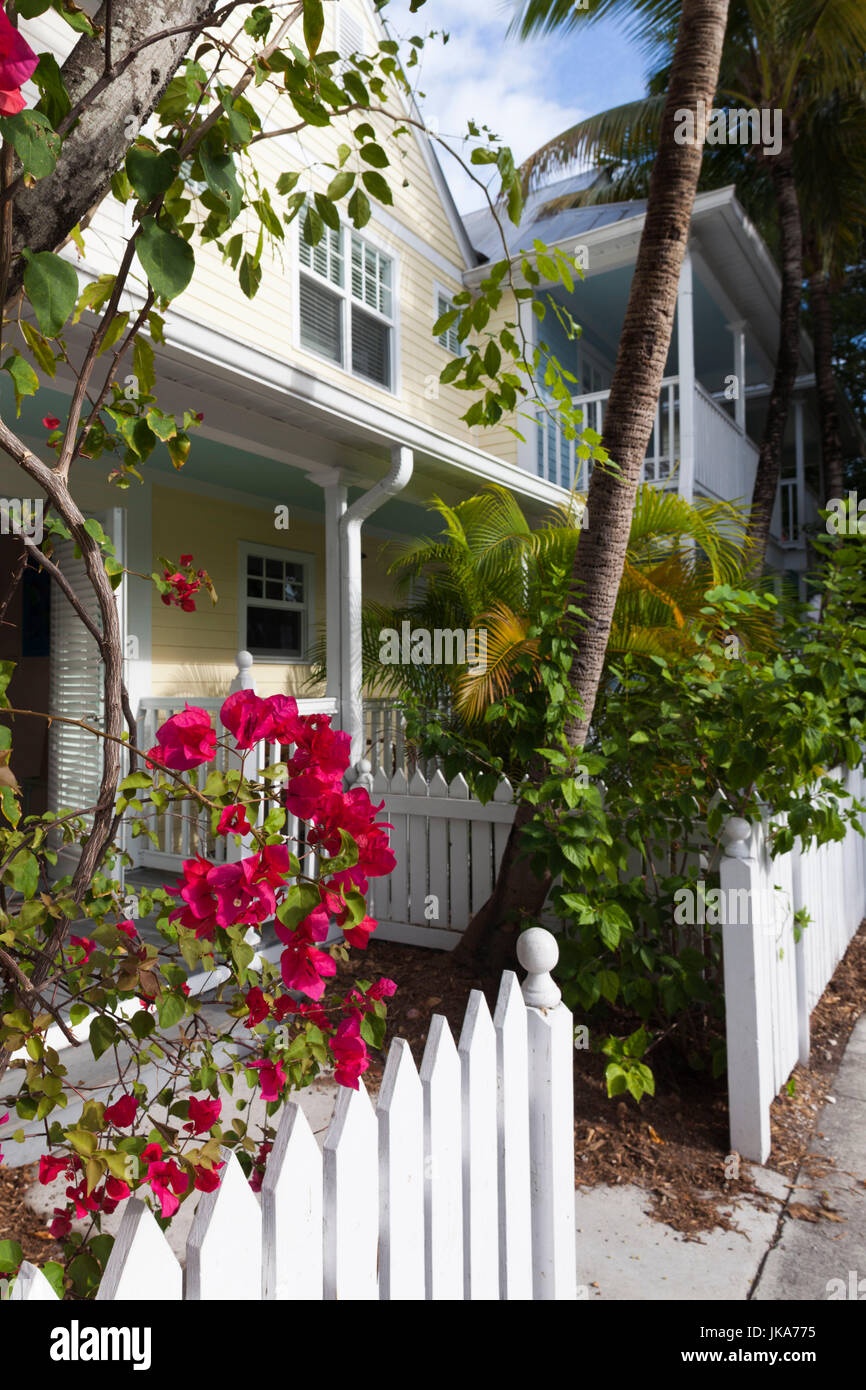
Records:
x=686, y=374
x=738, y=328
x=335, y=506
x=800, y=458
x=350, y=523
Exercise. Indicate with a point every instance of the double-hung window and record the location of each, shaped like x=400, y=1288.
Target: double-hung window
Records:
x=275, y=602
x=449, y=339
x=346, y=298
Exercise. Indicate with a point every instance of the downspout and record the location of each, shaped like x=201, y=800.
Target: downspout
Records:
x=352, y=673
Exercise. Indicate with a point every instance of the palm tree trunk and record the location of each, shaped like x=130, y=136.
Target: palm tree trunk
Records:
x=788, y=356
x=642, y=352
x=828, y=403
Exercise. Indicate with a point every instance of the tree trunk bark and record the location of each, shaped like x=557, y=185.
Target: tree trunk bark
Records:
x=788, y=356
x=46, y=213
x=828, y=401
x=641, y=355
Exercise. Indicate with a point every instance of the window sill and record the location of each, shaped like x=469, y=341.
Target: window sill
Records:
x=344, y=371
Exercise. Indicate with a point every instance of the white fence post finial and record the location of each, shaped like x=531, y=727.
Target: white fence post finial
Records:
x=538, y=953
x=550, y=1034
x=244, y=680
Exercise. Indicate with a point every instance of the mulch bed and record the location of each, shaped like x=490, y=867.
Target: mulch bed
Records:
x=674, y=1144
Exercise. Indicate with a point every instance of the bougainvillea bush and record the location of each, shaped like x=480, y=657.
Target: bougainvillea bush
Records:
x=157, y=1129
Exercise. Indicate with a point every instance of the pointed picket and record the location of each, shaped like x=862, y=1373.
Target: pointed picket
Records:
x=438, y=857
x=503, y=795
x=512, y=1090
x=31, y=1286
x=292, y=1212
x=224, y=1250
x=459, y=856
x=551, y=1152
x=401, y=1177
x=399, y=878
x=351, y=1216
x=443, y=1164
x=142, y=1264
x=477, y=1051
x=417, y=850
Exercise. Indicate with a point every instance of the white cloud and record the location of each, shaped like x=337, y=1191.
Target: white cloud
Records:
x=484, y=76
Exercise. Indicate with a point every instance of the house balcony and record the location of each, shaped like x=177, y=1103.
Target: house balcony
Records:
x=725, y=458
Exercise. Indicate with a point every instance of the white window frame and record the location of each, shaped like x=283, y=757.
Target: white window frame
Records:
x=440, y=292
x=344, y=292
x=307, y=609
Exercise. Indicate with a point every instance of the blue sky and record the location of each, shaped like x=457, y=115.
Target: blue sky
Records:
x=526, y=92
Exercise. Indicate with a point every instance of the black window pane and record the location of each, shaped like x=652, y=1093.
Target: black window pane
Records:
x=274, y=569
x=371, y=347
x=321, y=320
x=254, y=564
x=254, y=588
x=273, y=632
x=273, y=589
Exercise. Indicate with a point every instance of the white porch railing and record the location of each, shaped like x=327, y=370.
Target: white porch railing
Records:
x=555, y=456
x=460, y=1185
x=725, y=458
x=773, y=983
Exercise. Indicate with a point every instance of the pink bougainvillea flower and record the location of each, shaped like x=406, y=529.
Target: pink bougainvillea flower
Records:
x=18, y=62
x=182, y=590
x=61, y=1225
x=50, y=422
x=203, y=1114
x=273, y=866
x=207, y=1179
x=241, y=895
x=314, y=927
x=128, y=929
x=304, y=968
x=199, y=915
x=257, y=1005
x=247, y=717
x=354, y=812
x=272, y=1078
x=122, y=1112
x=360, y=934
x=168, y=1182
x=286, y=724
x=186, y=559
x=88, y=946
x=257, y=1176
x=382, y=989
x=51, y=1168
x=115, y=1191
x=186, y=740
x=350, y=1052
x=233, y=821
x=304, y=793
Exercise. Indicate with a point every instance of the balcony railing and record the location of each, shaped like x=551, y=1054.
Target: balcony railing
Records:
x=556, y=457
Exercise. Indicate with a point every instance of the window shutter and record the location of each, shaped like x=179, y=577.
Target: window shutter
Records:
x=350, y=35
x=371, y=347
x=321, y=320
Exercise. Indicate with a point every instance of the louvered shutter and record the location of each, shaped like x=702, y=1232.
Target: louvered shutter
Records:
x=371, y=347
x=321, y=313
x=350, y=35
x=75, y=686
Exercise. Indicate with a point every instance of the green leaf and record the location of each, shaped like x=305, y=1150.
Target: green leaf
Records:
x=11, y=1256
x=30, y=134
x=103, y=1032
x=149, y=173
x=54, y=99
x=221, y=177
x=286, y=182
x=250, y=275
x=314, y=24
x=24, y=379
x=178, y=449
x=340, y=185
x=375, y=184
x=375, y=155
x=22, y=872
x=171, y=1009
x=299, y=902
x=142, y=364
x=359, y=208
x=51, y=285
x=167, y=259
x=54, y=1274
x=40, y=347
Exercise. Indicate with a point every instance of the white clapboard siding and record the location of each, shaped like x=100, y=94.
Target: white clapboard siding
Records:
x=477, y=1052
x=512, y=1104
x=224, y=1250
x=443, y=1163
x=351, y=1224
x=459, y=1186
x=401, y=1177
x=292, y=1212
x=142, y=1265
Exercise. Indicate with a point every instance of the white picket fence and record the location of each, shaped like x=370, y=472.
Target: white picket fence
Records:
x=448, y=848
x=772, y=982
x=460, y=1185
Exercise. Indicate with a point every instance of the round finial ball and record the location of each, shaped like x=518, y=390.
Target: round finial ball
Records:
x=244, y=659
x=364, y=765
x=537, y=950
